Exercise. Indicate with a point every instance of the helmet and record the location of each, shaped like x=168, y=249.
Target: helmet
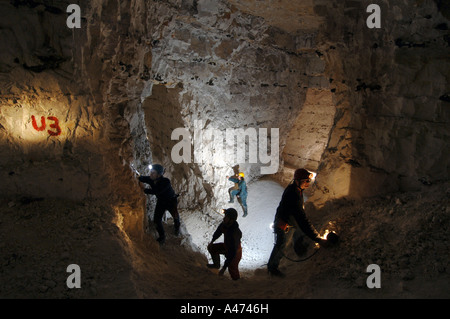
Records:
x=231, y=213
x=241, y=174
x=158, y=168
x=302, y=173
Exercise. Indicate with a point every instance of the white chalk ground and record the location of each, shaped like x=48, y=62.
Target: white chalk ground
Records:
x=257, y=236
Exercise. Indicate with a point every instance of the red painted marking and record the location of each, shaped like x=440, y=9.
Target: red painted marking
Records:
x=55, y=126
x=33, y=119
x=57, y=129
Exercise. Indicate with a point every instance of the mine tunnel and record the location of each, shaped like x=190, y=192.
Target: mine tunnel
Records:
x=94, y=94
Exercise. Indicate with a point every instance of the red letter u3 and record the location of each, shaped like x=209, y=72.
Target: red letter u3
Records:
x=42, y=127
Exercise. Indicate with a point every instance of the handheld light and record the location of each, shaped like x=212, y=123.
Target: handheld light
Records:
x=332, y=237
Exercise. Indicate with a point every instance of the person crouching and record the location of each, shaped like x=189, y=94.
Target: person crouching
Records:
x=231, y=247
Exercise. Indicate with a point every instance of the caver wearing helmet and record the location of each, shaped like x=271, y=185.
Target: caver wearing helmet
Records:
x=240, y=191
x=159, y=169
x=302, y=173
x=291, y=214
x=161, y=187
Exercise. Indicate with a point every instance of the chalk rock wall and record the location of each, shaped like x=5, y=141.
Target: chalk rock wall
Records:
x=224, y=69
x=390, y=89
x=51, y=128
x=310, y=133
x=70, y=119
x=82, y=109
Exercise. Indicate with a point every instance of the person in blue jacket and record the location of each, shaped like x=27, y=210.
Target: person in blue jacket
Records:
x=161, y=187
x=240, y=192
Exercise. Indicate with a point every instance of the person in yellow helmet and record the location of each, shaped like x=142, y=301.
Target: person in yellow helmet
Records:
x=241, y=191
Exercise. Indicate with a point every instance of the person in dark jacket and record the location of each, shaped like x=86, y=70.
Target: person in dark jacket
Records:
x=240, y=191
x=231, y=247
x=161, y=187
x=291, y=213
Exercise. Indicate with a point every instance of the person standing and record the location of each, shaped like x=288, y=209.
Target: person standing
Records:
x=240, y=191
x=231, y=247
x=291, y=214
x=161, y=187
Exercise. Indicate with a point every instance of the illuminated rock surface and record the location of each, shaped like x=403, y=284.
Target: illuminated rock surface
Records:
x=80, y=109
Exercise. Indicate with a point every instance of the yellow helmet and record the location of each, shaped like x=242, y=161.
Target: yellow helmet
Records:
x=241, y=174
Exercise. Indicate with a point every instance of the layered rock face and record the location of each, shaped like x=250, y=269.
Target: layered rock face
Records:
x=82, y=109
x=67, y=116
x=219, y=69
x=50, y=128
x=390, y=88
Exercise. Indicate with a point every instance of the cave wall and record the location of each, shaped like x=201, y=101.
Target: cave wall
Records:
x=233, y=70
x=390, y=89
x=83, y=84
x=225, y=65
x=310, y=133
x=50, y=125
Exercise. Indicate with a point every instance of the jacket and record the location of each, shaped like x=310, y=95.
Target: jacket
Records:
x=232, y=240
x=290, y=212
x=161, y=187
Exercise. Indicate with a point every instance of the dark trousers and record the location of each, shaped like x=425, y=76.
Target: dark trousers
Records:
x=160, y=209
x=233, y=268
x=281, y=239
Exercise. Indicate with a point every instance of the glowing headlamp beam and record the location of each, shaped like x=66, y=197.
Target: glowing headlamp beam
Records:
x=135, y=170
x=325, y=234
